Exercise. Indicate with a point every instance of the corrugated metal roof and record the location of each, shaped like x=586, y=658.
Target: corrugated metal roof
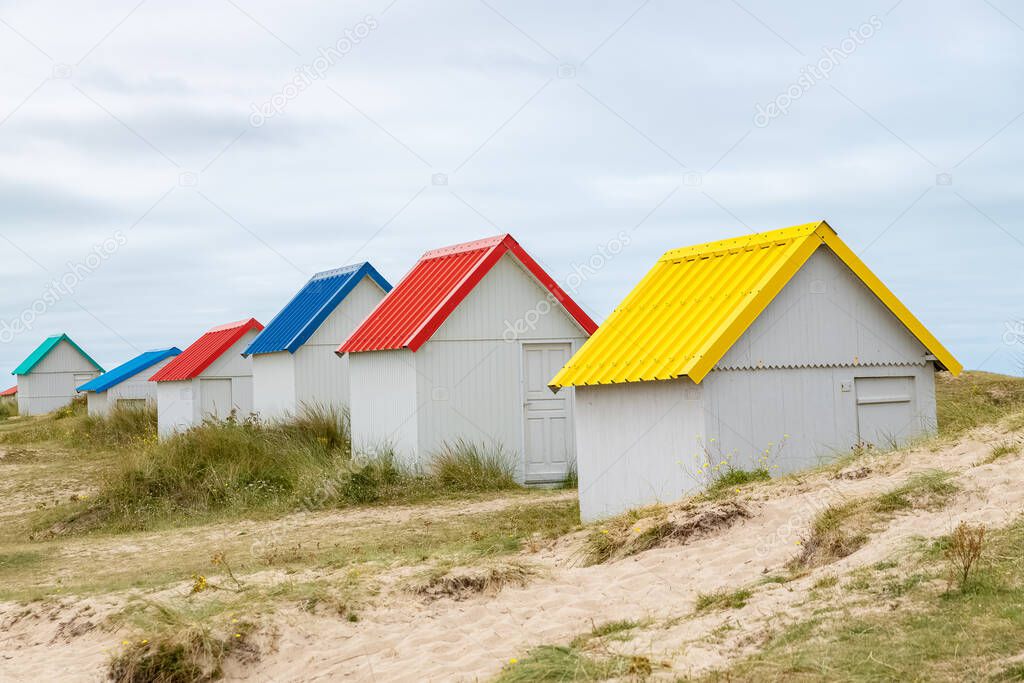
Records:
x=301, y=317
x=208, y=348
x=13, y=391
x=43, y=349
x=697, y=301
x=437, y=284
x=128, y=370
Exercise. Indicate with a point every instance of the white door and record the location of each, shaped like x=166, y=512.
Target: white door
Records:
x=549, y=439
x=886, y=410
x=216, y=398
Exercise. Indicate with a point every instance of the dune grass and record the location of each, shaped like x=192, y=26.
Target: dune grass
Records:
x=840, y=530
x=944, y=633
x=72, y=426
x=8, y=408
x=465, y=466
x=975, y=398
x=237, y=468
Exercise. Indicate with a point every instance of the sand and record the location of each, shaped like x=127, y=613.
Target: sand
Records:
x=404, y=637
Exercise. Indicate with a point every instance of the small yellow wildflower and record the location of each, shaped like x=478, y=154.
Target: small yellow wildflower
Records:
x=125, y=642
x=238, y=635
x=513, y=661
x=145, y=642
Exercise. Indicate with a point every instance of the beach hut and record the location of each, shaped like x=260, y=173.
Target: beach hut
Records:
x=48, y=377
x=461, y=349
x=208, y=380
x=293, y=359
x=770, y=351
x=128, y=384
x=9, y=396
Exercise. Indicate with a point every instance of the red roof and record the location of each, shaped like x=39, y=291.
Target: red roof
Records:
x=13, y=391
x=208, y=348
x=410, y=314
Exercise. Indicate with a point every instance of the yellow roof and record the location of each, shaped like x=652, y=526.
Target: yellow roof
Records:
x=697, y=301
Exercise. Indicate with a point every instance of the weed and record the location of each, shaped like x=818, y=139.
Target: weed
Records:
x=965, y=547
x=462, y=582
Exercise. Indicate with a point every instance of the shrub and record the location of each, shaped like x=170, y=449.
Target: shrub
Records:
x=8, y=408
x=964, y=551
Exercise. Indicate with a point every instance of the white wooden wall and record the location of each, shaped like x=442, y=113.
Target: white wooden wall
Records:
x=51, y=384
x=273, y=385
x=383, y=408
x=637, y=444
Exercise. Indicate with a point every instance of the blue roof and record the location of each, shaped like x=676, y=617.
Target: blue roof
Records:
x=129, y=369
x=298, y=320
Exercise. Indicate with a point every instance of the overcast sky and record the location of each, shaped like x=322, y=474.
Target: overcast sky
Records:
x=181, y=165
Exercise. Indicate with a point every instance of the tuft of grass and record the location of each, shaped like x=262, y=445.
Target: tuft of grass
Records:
x=721, y=600
x=463, y=582
x=179, y=646
x=975, y=398
x=610, y=628
x=466, y=466
x=1001, y=451
x=566, y=663
x=827, y=581
x=926, y=490
x=732, y=478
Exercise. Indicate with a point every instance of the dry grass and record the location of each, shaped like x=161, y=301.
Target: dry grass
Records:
x=459, y=583
x=975, y=398
x=641, y=530
x=723, y=599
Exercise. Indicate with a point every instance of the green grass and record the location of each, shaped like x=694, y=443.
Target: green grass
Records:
x=723, y=599
x=942, y=634
x=466, y=466
x=732, y=478
x=8, y=408
x=562, y=664
x=123, y=428
x=922, y=491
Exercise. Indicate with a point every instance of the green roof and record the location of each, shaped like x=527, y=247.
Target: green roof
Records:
x=49, y=345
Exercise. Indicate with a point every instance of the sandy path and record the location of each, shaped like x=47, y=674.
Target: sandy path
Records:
x=472, y=639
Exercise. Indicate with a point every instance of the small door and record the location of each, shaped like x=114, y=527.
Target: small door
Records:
x=216, y=398
x=549, y=438
x=886, y=410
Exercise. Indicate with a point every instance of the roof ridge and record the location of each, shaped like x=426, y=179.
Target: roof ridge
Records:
x=230, y=326
x=344, y=270
x=743, y=241
x=485, y=243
